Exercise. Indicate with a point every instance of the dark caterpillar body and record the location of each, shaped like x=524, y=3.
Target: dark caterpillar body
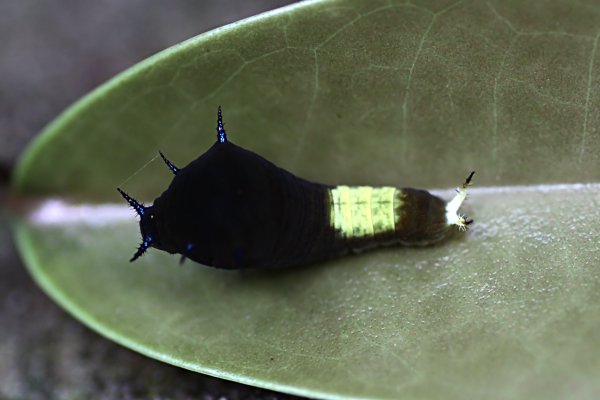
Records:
x=231, y=208
x=242, y=211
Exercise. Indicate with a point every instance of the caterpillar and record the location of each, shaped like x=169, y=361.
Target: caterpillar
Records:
x=231, y=208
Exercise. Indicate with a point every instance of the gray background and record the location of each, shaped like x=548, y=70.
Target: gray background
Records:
x=52, y=53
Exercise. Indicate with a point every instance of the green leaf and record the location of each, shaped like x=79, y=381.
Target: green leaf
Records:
x=395, y=93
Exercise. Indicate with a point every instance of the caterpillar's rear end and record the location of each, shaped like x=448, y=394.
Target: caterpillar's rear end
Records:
x=364, y=216
x=231, y=208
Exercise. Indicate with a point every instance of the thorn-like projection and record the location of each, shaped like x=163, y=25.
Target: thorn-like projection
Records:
x=221, y=134
x=468, y=181
x=138, y=207
x=142, y=249
x=452, y=207
x=173, y=168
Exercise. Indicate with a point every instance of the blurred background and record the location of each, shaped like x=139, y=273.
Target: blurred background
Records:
x=53, y=53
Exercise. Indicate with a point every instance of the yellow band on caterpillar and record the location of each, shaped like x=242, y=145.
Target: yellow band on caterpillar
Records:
x=362, y=211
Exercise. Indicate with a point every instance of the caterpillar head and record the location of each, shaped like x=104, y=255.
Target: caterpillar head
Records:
x=147, y=225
